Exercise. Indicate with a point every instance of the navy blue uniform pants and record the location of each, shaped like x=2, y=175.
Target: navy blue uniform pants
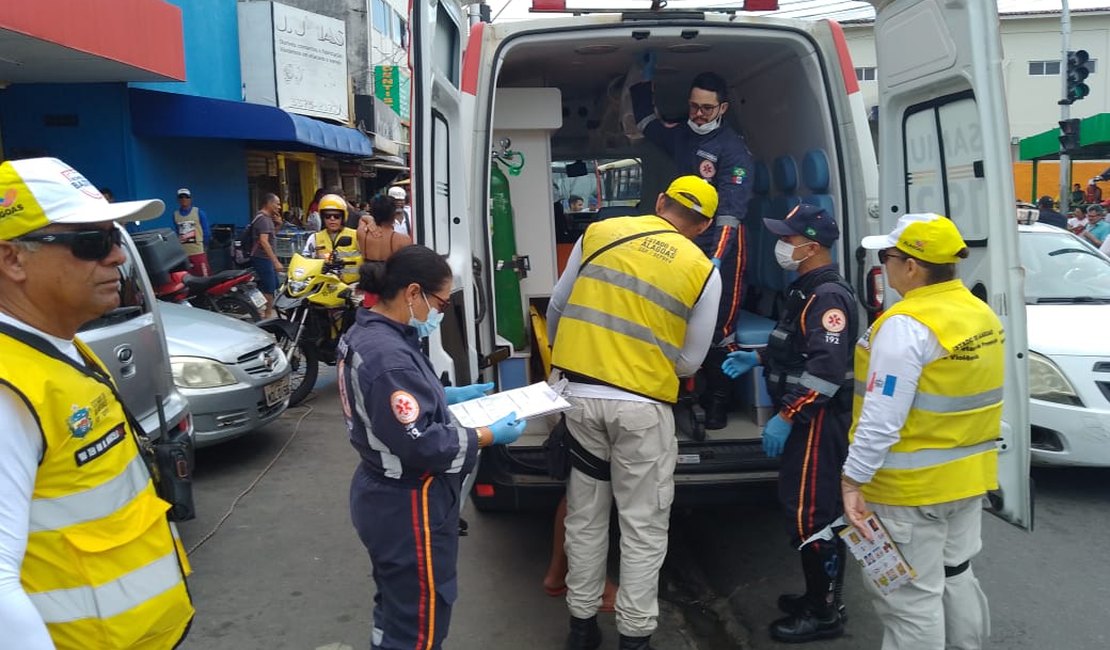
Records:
x=809, y=477
x=412, y=534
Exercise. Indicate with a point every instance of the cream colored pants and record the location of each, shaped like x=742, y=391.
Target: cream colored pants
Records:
x=934, y=612
x=638, y=439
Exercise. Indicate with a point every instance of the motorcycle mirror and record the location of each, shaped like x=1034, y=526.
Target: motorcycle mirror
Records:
x=345, y=240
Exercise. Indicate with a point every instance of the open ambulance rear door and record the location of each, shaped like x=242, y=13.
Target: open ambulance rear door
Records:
x=944, y=147
x=439, y=154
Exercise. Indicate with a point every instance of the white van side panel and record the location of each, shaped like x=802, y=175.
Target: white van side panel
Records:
x=944, y=146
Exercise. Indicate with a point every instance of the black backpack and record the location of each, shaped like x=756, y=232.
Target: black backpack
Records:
x=246, y=243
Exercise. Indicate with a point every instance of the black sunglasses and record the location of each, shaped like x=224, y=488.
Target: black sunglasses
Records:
x=440, y=302
x=88, y=245
x=885, y=255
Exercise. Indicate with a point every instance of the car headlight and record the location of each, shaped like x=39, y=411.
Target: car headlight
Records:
x=195, y=372
x=1048, y=383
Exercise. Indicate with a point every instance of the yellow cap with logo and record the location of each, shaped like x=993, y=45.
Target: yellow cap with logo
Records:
x=928, y=237
x=37, y=192
x=695, y=193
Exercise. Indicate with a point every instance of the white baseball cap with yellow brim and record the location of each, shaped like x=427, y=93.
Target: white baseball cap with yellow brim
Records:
x=38, y=192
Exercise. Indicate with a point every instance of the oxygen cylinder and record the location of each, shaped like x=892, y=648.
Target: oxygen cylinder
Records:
x=506, y=273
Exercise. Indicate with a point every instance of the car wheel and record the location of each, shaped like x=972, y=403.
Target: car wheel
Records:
x=237, y=307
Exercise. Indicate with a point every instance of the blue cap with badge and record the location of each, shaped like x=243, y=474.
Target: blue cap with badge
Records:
x=808, y=221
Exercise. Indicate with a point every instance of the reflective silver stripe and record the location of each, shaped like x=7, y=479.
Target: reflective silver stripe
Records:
x=638, y=287
x=460, y=458
x=728, y=220
x=112, y=598
x=796, y=379
x=642, y=124
x=943, y=404
x=621, y=326
x=95, y=503
x=930, y=457
x=861, y=388
x=391, y=464
x=823, y=387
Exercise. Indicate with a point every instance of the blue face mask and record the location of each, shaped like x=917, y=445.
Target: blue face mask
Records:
x=424, y=328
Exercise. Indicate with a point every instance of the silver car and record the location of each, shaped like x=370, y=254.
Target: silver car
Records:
x=233, y=376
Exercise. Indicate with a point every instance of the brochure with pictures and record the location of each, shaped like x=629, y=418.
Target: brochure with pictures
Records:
x=883, y=563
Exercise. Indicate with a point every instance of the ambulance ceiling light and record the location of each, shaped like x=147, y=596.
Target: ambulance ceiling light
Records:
x=688, y=48
x=603, y=48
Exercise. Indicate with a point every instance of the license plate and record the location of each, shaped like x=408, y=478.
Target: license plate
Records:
x=257, y=298
x=277, y=391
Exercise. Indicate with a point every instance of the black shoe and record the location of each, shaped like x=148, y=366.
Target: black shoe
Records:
x=807, y=626
x=584, y=634
x=795, y=604
x=716, y=414
x=635, y=643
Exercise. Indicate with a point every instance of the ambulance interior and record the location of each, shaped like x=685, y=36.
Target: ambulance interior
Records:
x=559, y=102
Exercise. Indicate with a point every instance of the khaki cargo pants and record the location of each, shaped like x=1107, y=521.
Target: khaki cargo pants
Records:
x=639, y=440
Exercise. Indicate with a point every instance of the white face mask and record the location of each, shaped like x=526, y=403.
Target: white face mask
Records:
x=704, y=129
x=784, y=255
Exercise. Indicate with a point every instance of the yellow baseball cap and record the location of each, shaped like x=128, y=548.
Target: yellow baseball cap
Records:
x=37, y=192
x=928, y=237
x=695, y=193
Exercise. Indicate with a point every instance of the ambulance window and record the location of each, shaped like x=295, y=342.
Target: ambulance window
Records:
x=446, y=46
x=944, y=163
x=441, y=157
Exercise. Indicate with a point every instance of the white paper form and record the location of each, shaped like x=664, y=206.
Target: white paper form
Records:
x=528, y=402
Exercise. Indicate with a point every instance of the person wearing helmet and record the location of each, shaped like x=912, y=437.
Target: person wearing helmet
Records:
x=402, y=217
x=333, y=214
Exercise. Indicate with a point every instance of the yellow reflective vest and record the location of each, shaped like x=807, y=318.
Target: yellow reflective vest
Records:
x=350, y=254
x=625, y=321
x=104, y=566
x=189, y=231
x=946, y=450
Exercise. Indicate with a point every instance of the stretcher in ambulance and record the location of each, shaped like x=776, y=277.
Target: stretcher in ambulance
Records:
x=551, y=91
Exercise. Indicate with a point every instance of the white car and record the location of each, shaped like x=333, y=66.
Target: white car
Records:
x=231, y=372
x=1067, y=295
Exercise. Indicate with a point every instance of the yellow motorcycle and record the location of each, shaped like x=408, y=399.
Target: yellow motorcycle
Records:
x=315, y=307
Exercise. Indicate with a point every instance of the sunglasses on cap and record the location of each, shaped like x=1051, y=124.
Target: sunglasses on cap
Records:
x=88, y=245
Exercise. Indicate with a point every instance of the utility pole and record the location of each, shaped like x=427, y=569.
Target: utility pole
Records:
x=1065, y=107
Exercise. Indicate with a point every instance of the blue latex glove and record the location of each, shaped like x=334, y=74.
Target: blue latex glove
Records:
x=716, y=261
x=648, y=63
x=739, y=362
x=456, y=394
x=507, y=429
x=775, y=433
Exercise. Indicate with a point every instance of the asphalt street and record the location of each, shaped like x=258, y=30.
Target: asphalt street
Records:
x=284, y=568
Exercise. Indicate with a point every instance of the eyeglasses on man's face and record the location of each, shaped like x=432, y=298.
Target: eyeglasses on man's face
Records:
x=703, y=109
x=885, y=255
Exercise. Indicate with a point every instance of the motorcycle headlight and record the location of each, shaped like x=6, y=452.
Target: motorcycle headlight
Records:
x=195, y=372
x=297, y=286
x=1048, y=383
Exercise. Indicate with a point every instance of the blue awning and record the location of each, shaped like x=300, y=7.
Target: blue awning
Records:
x=171, y=115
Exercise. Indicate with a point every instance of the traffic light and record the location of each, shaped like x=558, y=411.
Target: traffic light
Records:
x=1069, y=135
x=1077, y=73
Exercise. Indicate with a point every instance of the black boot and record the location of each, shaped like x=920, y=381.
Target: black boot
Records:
x=716, y=414
x=718, y=389
x=816, y=615
x=635, y=643
x=796, y=603
x=584, y=634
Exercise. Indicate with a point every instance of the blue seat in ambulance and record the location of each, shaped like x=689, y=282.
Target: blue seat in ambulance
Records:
x=759, y=206
x=815, y=176
x=784, y=175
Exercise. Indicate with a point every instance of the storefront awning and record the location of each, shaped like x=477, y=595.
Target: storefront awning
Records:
x=160, y=114
x=76, y=41
x=1094, y=141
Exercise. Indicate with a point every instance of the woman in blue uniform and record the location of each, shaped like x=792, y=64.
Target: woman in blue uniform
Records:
x=406, y=491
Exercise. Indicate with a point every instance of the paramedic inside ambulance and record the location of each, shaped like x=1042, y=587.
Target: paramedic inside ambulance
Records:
x=707, y=147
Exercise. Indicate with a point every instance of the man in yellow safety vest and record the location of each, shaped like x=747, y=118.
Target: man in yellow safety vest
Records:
x=88, y=558
x=926, y=415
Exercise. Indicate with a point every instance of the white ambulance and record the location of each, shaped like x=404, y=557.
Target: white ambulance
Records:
x=553, y=87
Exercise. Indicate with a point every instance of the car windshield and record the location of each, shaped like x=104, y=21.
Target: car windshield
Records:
x=1061, y=268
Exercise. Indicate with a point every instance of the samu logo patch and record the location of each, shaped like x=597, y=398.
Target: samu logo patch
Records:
x=80, y=423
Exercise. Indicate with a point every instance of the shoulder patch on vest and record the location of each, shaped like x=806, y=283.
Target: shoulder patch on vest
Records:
x=834, y=320
x=405, y=407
